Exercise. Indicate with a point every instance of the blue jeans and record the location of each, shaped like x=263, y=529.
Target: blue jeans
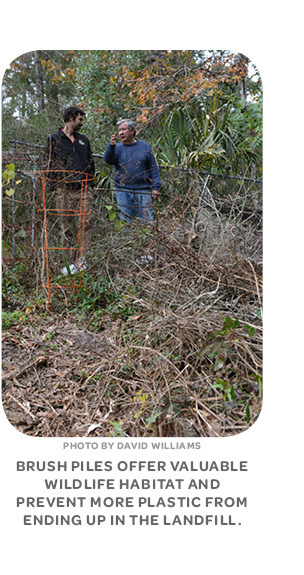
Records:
x=134, y=203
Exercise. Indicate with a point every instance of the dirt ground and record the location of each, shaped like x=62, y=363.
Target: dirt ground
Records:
x=46, y=376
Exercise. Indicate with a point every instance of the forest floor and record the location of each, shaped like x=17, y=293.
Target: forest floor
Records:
x=61, y=379
x=169, y=347
x=49, y=363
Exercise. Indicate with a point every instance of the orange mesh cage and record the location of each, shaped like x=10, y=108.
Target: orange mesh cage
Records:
x=53, y=217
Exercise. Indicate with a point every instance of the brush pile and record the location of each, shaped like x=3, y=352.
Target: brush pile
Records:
x=165, y=338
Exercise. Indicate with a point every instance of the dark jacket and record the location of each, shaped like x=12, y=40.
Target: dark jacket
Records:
x=62, y=154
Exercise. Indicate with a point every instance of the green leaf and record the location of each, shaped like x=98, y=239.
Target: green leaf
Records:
x=220, y=383
x=250, y=329
x=118, y=427
x=219, y=363
x=21, y=234
x=153, y=418
x=248, y=417
x=10, y=192
x=9, y=175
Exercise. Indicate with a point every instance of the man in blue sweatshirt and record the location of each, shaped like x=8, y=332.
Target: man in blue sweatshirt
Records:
x=136, y=176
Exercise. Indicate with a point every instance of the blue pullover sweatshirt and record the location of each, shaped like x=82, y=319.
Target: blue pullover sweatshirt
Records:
x=135, y=166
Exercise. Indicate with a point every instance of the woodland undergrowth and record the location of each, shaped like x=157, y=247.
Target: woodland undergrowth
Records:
x=164, y=336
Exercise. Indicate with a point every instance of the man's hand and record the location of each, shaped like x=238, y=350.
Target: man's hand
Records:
x=155, y=194
x=113, y=139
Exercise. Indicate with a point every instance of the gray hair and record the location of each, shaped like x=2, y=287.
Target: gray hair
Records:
x=130, y=124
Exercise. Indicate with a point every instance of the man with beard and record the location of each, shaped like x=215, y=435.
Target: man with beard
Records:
x=70, y=167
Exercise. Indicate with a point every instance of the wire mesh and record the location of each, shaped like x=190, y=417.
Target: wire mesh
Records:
x=32, y=219
x=19, y=201
x=64, y=197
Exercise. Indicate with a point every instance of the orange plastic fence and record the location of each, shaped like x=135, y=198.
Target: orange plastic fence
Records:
x=50, y=180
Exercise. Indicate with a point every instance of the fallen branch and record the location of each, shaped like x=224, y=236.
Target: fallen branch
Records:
x=17, y=372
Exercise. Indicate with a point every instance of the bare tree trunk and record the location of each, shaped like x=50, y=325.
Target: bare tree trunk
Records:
x=242, y=62
x=39, y=81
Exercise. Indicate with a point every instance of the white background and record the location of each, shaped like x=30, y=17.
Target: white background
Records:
x=269, y=539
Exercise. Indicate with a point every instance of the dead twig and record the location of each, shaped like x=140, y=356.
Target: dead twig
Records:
x=15, y=373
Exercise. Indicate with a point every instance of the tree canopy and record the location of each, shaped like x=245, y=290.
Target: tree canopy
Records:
x=200, y=108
